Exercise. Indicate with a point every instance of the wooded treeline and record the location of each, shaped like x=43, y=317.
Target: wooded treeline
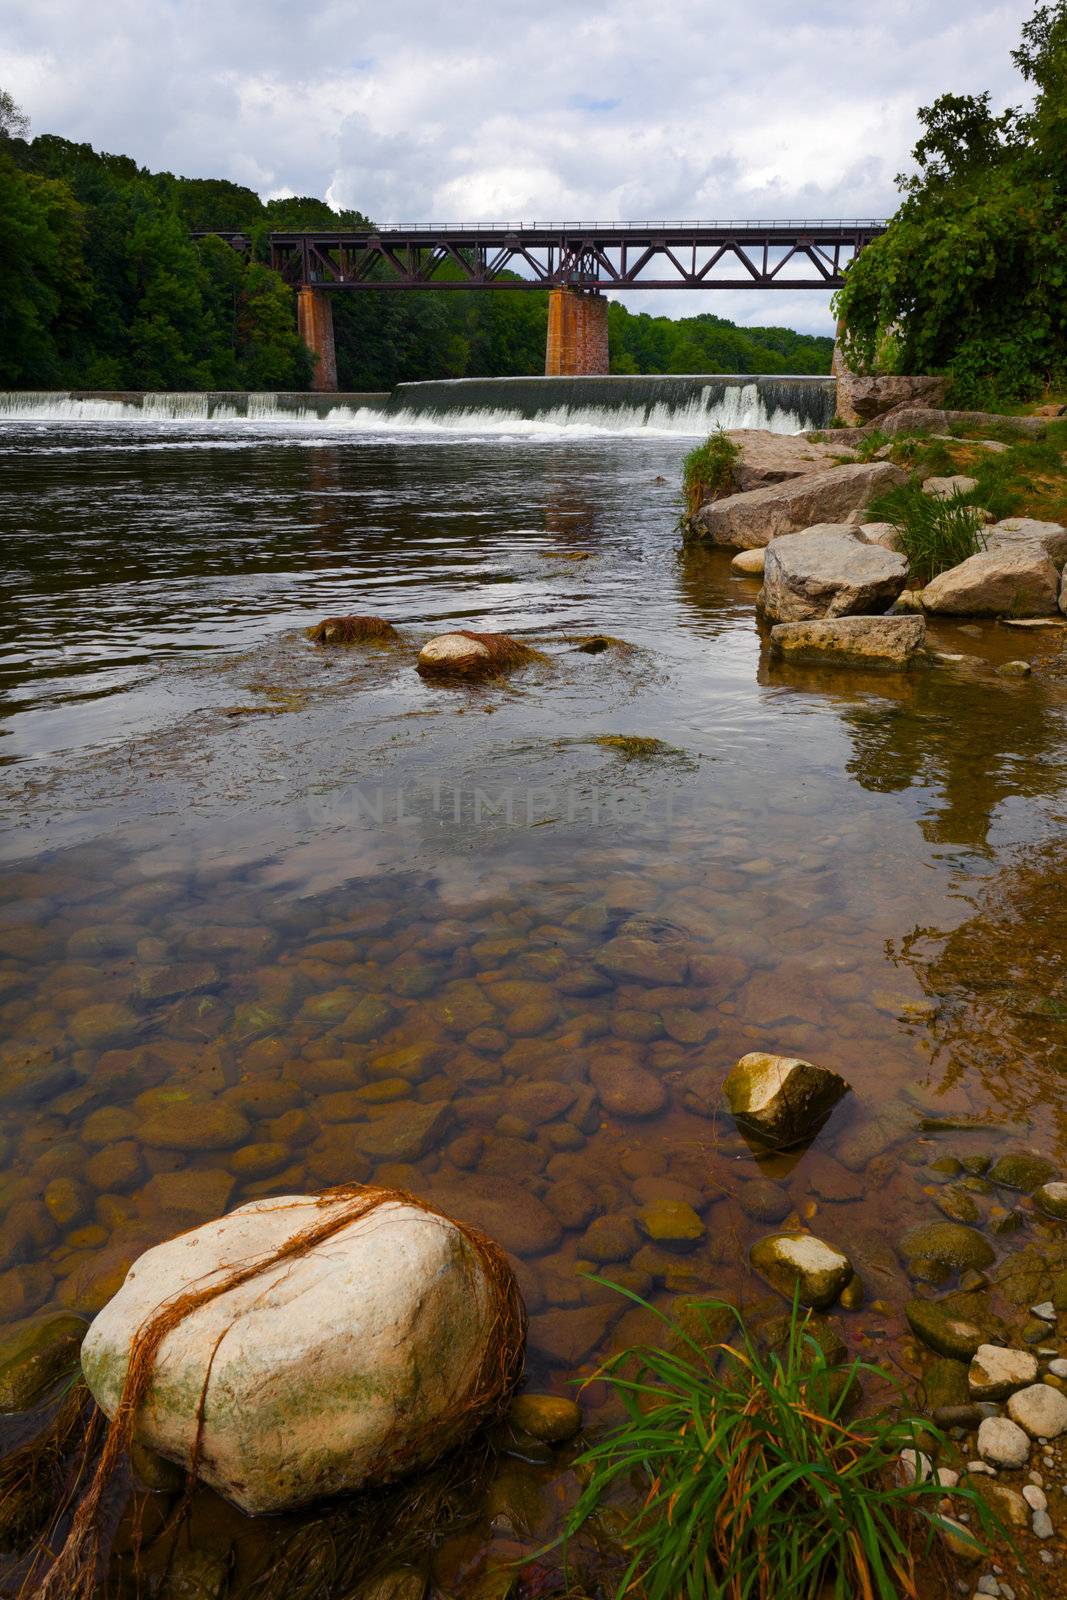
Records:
x=103, y=288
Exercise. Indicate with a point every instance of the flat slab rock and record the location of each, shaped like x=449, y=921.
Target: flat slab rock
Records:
x=750, y=520
x=829, y=570
x=1026, y=532
x=996, y=1372
x=1017, y=582
x=325, y=1371
x=773, y=457
x=883, y=642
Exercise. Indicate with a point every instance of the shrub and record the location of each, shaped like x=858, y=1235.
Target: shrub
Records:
x=934, y=534
x=710, y=471
x=754, y=1485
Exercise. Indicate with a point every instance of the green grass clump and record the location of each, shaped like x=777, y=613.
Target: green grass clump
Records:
x=869, y=445
x=753, y=1484
x=934, y=534
x=710, y=471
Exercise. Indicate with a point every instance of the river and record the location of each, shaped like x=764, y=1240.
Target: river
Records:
x=241, y=869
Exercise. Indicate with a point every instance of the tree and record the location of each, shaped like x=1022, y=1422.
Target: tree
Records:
x=14, y=123
x=970, y=277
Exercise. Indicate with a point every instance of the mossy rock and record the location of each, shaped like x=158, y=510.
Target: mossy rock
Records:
x=775, y=1336
x=943, y=1330
x=1051, y=1198
x=632, y=746
x=36, y=1354
x=949, y=1246
x=546, y=1416
x=1022, y=1169
x=944, y=1383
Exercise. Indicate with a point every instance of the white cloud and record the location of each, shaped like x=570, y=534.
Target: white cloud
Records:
x=418, y=112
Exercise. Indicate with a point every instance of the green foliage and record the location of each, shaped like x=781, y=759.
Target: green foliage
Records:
x=710, y=471
x=934, y=534
x=109, y=291
x=707, y=343
x=971, y=276
x=753, y=1485
x=14, y=123
x=869, y=445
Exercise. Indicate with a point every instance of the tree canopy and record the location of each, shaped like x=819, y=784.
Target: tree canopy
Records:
x=106, y=289
x=970, y=279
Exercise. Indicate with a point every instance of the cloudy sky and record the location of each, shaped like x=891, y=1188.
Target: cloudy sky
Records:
x=417, y=111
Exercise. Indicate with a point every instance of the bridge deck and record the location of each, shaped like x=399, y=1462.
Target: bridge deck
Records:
x=804, y=254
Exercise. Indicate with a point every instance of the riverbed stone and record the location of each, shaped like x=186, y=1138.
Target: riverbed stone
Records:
x=35, y=1354
x=996, y=1372
x=568, y=1334
x=949, y=1245
x=520, y=1221
x=1040, y=1409
x=648, y=960
x=799, y=1261
x=944, y=1330
x=1008, y=582
x=878, y=642
x=466, y=654
x=1002, y=1443
x=670, y=1222
x=828, y=570
x=329, y=1369
x=781, y=1100
x=764, y=1200
x=548, y=1417
x=752, y=519
x=185, y=1122
x=626, y=1089
x=94, y=1025
x=1051, y=1198
x=404, y=1132
x=1023, y=1170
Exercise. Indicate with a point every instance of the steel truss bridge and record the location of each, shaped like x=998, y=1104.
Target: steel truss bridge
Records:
x=577, y=255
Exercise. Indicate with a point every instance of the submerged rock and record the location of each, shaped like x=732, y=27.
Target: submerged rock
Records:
x=473, y=655
x=352, y=630
x=342, y=1364
x=546, y=1416
x=829, y=570
x=34, y=1355
x=800, y=1262
x=1016, y=582
x=893, y=642
x=781, y=1100
x=1051, y=1198
x=749, y=563
x=1023, y=1170
x=944, y=1331
x=948, y=1245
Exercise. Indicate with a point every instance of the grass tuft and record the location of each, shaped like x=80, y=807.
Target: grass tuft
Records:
x=710, y=471
x=753, y=1484
x=934, y=534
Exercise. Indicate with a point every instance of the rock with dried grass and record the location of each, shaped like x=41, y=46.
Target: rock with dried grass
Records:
x=352, y=630
x=307, y=1345
x=473, y=655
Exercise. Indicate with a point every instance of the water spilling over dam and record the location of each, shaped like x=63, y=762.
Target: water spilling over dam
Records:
x=688, y=406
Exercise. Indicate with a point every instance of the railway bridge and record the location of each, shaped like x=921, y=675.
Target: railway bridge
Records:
x=576, y=262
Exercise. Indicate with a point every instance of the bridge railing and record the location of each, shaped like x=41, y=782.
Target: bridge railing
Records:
x=793, y=224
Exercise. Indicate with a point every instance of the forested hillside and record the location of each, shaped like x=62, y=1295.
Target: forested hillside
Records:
x=103, y=288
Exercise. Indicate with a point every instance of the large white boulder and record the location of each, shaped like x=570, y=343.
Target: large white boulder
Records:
x=341, y=1366
x=1019, y=582
x=829, y=570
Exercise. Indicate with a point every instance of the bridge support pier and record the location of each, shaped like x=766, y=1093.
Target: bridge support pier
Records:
x=577, y=334
x=314, y=321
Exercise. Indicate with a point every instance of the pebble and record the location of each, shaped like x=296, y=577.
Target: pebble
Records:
x=1040, y=1409
x=1035, y=1497
x=1058, y=1368
x=987, y=1584
x=1042, y=1525
x=1047, y=1557
x=980, y=1466
x=915, y=1466
x=1046, y=1311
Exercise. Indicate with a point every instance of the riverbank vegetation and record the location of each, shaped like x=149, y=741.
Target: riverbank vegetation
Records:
x=970, y=279
x=760, y=1483
x=106, y=289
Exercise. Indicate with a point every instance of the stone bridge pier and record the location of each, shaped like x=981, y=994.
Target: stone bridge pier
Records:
x=577, y=334
x=314, y=321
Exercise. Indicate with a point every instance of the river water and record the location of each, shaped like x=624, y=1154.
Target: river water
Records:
x=274, y=917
